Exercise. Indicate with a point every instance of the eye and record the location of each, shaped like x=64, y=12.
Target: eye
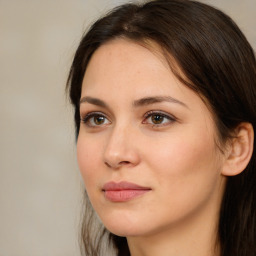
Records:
x=158, y=118
x=95, y=119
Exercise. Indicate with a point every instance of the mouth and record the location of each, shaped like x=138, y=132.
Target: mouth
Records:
x=123, y=191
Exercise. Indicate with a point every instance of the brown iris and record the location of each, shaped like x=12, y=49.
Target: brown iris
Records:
x=157, y=119
x=98, y=120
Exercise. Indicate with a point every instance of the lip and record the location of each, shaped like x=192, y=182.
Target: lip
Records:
x=123, y=191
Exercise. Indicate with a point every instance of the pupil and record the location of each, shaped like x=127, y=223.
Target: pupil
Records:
x=157, y=119
x=99, y=120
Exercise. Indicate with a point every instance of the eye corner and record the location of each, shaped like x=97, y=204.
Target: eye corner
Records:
x=161, y=118
x=95, y=119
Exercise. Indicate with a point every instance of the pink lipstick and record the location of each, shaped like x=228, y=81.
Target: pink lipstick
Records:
x=123, y=191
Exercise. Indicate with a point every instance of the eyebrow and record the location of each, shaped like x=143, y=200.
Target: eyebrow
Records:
x=137, y=103
x=94, y=101
x=157, y=99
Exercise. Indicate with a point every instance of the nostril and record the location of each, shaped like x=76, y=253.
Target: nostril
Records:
x=107, y=164
x=118, y=165
x=124, y=162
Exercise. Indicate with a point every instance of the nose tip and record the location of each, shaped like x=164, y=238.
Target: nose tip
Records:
x=121, y=157
x=120, y=151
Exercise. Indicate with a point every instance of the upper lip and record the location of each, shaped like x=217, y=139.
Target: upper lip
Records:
x=123, y=185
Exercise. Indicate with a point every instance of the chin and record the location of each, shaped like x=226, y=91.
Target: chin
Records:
x=125, y=232
x=123, y=226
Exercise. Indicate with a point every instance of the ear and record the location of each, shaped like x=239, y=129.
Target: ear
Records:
x=240, y=150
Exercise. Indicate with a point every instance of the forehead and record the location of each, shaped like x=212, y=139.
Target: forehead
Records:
x=122, y=68
x=123, y=61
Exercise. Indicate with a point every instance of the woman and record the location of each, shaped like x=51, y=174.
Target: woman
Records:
x=164, y=97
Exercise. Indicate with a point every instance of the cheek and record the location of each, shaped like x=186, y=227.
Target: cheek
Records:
x=177, y=151
x=186, y=176
x=88, y=159
x=185, y=163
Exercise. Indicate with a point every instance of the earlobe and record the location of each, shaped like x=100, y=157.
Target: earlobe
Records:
x=240, y=151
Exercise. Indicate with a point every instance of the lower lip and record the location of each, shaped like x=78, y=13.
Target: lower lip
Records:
x=123, y=195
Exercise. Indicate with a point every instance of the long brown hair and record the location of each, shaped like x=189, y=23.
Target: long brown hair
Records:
x=219, y=64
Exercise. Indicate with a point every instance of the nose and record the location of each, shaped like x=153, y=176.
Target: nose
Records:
x=121, y=148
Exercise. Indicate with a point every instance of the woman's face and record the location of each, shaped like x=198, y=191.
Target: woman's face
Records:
x=146, y=146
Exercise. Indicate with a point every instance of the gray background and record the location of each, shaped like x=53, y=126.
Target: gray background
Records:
x=40, y=185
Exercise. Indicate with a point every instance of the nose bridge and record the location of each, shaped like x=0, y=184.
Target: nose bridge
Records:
x=120, y=148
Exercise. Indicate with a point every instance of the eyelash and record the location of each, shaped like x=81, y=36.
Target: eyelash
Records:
x=164, y=115
x=91, y=115
x=170, y=118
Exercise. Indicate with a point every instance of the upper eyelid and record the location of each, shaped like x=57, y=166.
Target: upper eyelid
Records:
x=86, y=119
x=94, y=105
x=160, y=112
x=92, y=113
x=145, y=116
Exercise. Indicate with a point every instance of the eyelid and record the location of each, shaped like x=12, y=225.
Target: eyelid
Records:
x=150, y=113
x=86, y=117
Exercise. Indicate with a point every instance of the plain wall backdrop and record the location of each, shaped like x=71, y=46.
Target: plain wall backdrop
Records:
x=40, y=184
